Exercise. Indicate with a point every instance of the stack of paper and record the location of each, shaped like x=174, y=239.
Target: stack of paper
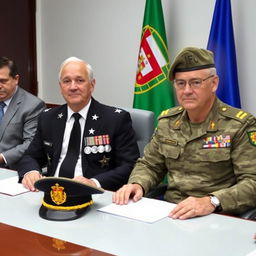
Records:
x=147, y=210
x=10, y=186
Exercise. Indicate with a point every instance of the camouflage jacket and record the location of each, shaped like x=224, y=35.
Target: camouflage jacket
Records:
x=215, y=157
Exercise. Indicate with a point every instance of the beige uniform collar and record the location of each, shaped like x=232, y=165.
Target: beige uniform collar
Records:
x=209, y=125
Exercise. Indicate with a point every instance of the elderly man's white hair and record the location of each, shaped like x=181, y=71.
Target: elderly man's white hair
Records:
x=75, y=59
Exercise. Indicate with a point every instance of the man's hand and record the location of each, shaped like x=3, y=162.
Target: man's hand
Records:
x=30, y=178
x=192, y=207
x=85, y=180
x=122, y=195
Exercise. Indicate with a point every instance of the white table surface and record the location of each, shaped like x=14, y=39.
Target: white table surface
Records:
x=209, y=235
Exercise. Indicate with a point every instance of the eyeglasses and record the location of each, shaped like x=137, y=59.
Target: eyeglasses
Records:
x=194, y=83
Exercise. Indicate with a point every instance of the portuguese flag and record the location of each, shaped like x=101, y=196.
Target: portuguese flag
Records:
x=153, y=90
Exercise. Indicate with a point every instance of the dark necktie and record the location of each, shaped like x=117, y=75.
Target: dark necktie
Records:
x=67, y=167
x=2, y=105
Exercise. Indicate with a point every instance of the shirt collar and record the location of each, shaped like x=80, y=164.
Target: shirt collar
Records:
x=7, y=102
x=83, y=112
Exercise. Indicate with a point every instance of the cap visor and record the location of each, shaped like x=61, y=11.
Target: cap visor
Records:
x=60, y=215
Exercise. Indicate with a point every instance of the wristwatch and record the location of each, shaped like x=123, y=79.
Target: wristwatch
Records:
x=215, y=202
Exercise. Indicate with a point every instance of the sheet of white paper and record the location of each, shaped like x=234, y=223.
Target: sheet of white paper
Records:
x=252, y=253
x=146, y=209
x=10, y=186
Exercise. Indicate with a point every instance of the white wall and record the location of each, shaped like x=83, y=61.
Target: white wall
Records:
x=106, y=33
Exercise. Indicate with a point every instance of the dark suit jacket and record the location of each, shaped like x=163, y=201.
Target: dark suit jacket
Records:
x=47, y=144
x=18, y=126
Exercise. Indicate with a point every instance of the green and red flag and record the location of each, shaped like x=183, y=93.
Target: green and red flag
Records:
x=153, y=90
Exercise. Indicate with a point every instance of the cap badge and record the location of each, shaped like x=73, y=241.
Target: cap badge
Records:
x=190, y=59
x=58, y=195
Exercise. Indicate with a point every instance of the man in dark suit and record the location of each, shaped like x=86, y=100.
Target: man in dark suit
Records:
x=19, y=111
x=107, y=148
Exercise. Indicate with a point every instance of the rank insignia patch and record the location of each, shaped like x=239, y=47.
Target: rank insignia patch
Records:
x=252, y=137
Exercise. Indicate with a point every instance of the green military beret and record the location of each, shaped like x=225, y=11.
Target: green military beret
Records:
x=191, y=58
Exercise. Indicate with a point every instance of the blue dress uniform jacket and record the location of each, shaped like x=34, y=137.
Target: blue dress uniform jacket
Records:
x=111, y=165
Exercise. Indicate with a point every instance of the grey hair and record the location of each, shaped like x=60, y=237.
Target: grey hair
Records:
x=213, y=71
x=75, y=59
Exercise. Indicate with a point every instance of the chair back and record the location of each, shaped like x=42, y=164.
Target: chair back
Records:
x=143, y=125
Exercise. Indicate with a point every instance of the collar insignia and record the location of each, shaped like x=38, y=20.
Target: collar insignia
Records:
x=212, y=125
x=177, y=124
x=60, y=116
x=95, y=117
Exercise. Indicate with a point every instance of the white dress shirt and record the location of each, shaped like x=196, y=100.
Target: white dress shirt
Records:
x=69, y=125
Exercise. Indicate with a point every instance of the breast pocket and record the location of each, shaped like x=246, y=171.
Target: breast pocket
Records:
x=214, y=155
x=169, y=148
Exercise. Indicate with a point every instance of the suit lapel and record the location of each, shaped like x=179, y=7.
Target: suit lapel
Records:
x=58, y=126
x=93, y=124
x=11, y=110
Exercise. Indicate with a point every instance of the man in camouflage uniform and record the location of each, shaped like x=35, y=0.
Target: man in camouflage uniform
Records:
x=206, y=148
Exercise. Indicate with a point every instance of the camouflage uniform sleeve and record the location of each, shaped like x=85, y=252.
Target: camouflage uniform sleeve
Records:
x=149, y=170
x=241, y=196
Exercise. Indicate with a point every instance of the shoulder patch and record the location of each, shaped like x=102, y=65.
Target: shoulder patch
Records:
x=234, y=113
x=252, y=137
x=171, y=112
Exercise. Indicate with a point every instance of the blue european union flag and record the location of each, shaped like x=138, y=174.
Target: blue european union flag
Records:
x=221, y=42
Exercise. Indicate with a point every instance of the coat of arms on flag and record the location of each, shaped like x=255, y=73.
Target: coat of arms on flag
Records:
x=153, y=90
x=152, y=65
